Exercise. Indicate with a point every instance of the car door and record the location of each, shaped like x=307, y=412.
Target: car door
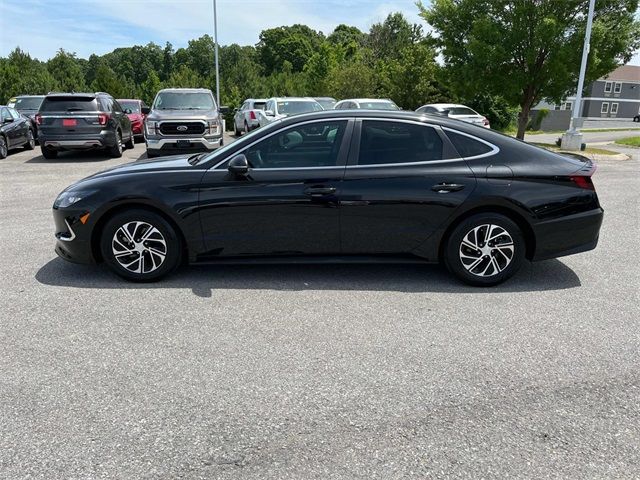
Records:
x=403, y=181
x=288, y=201
x=21, y=126
x=123, y=120
x=238, y=118
x=10, y=128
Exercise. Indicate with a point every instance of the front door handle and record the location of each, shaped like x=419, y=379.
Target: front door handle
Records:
x=319, y=191
x=447, y=187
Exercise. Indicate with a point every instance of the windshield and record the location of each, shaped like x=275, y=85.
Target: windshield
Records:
x=461, y=111
x=293, y=108
x=379, y=106
x=184, y=101
x=133, y=106
x=28, y=103
x=327, y=104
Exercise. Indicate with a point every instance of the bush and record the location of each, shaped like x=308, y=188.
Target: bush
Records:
x=496, y=109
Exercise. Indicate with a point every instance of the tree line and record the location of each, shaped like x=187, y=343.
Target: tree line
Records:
x=498, y=56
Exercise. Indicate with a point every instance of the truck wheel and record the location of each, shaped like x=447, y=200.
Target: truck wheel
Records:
x=48, y=153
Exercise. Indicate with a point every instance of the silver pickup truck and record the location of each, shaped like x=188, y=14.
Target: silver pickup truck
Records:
x=182, y=120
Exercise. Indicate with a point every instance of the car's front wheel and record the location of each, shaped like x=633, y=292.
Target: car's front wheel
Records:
x=140, y=245
x=485, y=249
x=4, y=151
x=31, y=141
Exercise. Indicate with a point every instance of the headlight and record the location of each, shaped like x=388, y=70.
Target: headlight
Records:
x=151, y=127
x=214, y=128
x=68, y=198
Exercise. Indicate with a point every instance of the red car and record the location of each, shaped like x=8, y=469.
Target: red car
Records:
x=133, y=108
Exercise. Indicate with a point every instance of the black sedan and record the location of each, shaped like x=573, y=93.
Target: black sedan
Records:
x=15, y=131
x=356, y=186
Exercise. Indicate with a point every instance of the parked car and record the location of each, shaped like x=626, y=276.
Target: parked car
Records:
x=15, y=131
x=245, y=118
x=366, y=104
x=411, y=189
x=457, y=112
x=28, y=105
x=183, y=120
x=282, y=107
x=133, y=109
x=326, y=102
x=83, y=121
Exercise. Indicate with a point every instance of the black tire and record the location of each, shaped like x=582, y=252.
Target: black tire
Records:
x=31, y=141
x=485, y=274
x=151, y=154
x=4, y=151
x=246, y=127
x=48, y=153
x=131, y=142
x=116, y=150
x=173, y=250
x=236, y=132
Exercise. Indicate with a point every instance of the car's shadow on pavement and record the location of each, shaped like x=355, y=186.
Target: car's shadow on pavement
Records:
x=73, y=157
x=203, y=280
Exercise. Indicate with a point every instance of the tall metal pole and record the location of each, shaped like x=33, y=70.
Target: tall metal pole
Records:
x=215, y=39
x=575, y=111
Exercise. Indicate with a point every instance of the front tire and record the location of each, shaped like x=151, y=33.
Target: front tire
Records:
x=485, y=249
x=140, y=246
x=4, y=151
x=246, y=128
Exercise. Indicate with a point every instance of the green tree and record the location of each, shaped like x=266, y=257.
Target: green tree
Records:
x=184, y=77
x=294, y=44
x=352, y=80
x=529, y=50
x=389, y=38
x=21, y=74
x=149, y=88
x=67, y=72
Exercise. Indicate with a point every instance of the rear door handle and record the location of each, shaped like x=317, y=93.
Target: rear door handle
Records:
x=319, y=191
x=447, y=187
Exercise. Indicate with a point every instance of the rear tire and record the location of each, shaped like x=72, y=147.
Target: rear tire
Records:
x=31, y=141
x=116, y=150
x=48, y=153
x=485, y=249
x=236, y=131
x=131, y=142
x=246, y=128
x=129, y=255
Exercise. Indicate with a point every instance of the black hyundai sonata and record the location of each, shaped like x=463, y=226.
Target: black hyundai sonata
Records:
x=356, y=186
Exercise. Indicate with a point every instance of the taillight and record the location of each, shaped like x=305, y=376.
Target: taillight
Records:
x=485, y=122
x=252, y=115
x=582, y=182
x=103, y=118
x=38, y=119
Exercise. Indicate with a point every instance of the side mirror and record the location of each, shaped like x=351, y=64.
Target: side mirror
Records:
x=239, y=165
x=128, y=111
x=269, y=113
x=7, y=120
x=224, y=109
x=146, y=110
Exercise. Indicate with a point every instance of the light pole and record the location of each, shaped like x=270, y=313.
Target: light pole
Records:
x=572, y=138
x=215, y=39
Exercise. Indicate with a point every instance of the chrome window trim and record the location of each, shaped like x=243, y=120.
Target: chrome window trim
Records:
x=494, y=148
x=242, y=150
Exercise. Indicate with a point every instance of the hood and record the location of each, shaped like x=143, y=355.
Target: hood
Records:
x=135, y=116
x=186, y=115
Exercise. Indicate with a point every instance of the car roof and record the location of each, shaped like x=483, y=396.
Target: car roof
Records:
x=255, y=100
x=187, y=90
x=128, y=99
x=28, y=96
x=293, y=99
x=74, y=94
x=366, y=100
x=324, y=98
x=445, y=105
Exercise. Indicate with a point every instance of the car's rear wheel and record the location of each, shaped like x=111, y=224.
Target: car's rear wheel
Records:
x=4, y=151
x=48, y=153
x=131, y=142
x=485, y=249
x=140, y=246
x=246, y=127
x=31, y=142
x=116, y=150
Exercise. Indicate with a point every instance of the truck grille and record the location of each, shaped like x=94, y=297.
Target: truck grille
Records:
x=178, y=128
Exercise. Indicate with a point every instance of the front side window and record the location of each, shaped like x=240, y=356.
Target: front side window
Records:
x=14, y=113
x=310, y=145
x=5, y=114
x=398, y=142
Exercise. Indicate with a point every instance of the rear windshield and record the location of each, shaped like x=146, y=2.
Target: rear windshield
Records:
x=184, y=101
x=292, y=108
x=69, y=104
x=28, y=103
x=379, y=106
x=326, y=103
x=259, y=105
x=461, y=111
x=133, y=106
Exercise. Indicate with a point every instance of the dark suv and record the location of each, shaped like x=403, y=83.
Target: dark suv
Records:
x=28, y=105
x=82, y=121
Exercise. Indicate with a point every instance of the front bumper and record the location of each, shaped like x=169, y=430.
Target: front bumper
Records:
x=105, y=139
x=73, y=237
x=567, y=235
x=181, y=144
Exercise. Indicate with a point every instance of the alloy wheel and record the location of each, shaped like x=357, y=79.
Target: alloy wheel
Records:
x=486, y=250
x=139, y=247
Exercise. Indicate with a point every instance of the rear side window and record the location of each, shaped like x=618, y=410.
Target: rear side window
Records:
x=398, y=142
x=69, y=104
x=467, y=146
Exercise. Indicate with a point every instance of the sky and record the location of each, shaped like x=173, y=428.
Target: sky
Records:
x=41, y=27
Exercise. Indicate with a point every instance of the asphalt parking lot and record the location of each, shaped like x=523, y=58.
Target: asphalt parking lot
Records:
x=301, y=372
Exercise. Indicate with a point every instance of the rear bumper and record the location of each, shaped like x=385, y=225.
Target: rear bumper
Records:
x=166, y=144
x=105, y=139
x=567, y=235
